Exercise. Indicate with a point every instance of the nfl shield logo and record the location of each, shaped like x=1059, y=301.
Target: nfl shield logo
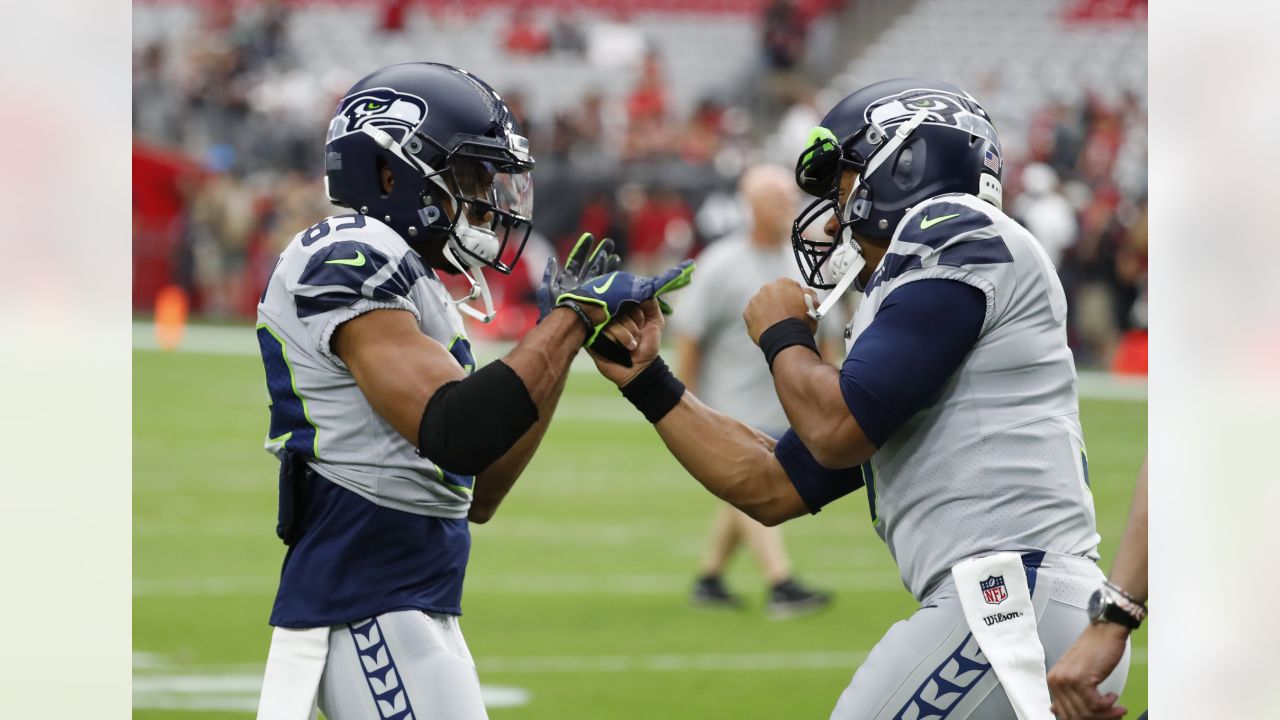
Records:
x=993, y=590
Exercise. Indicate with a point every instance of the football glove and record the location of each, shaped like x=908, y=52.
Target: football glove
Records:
x=584, y=262
x=618, y=290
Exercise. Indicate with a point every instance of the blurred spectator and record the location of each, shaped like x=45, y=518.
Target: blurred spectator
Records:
x=783, y=34
x=524, y=36
x=615, y=43
x=1045, y=212
x=701, y=138
x=393, y=15
x=567, y=35
x=648, y=99
x=715, y=356
x=659, y=227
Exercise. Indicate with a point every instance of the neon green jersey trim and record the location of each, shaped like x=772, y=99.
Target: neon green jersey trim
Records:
x=293, y=381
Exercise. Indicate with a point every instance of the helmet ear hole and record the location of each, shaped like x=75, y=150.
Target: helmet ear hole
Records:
x=385, y=179
x=909, y=166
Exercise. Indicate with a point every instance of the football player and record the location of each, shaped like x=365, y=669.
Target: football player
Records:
x=390, y=440
x=955, y=407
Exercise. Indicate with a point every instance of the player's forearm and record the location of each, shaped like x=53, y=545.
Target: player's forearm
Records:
x=496, y=481
x=542, y=358
x=1129, y=571
x=810, y=393
x=731, y=460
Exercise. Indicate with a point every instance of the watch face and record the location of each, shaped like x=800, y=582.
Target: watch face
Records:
x=1095, y=604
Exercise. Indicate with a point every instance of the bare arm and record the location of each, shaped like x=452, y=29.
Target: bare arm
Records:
x=808, y=387
x=733, y=461
x=1074, y=680
x=1129, y=571
x=399, y=370
x=810, y=393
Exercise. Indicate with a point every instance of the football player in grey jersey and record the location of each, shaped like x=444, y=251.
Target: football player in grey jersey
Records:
x=390, y=440
x=955, y=408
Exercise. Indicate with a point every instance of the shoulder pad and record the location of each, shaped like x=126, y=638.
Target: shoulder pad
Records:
x=342, y=272
x=936, y=223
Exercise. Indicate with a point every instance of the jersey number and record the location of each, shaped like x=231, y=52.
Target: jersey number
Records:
x=321, y=229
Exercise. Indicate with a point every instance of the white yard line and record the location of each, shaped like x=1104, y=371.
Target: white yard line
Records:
x=241, y=340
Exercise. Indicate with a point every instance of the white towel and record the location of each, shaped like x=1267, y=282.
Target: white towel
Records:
x=997, y=604
x=292, y=678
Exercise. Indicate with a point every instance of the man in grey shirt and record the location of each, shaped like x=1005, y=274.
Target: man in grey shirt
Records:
x=719, y=361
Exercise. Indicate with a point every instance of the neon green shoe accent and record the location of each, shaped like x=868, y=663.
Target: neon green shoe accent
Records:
x=607, y=283
x=356, y=261
x=293, y=381
x=926, y=223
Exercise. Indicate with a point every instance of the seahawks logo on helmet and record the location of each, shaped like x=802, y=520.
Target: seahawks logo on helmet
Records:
x=958, y=111
x=395, y=112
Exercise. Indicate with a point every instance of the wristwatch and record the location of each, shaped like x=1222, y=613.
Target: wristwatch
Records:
x=1111, y=604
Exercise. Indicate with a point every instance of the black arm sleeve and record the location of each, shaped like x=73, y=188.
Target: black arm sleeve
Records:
x=470, y=423
x=817, y=485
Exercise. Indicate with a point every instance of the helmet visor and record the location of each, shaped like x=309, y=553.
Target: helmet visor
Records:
x=497, y=202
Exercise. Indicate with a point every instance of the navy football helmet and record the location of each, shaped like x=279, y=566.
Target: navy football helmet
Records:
x=908, y=140
x=460, y=168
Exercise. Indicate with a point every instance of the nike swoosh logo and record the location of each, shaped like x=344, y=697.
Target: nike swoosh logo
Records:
x=926, y=223
x=356, y=261
x=605, y=286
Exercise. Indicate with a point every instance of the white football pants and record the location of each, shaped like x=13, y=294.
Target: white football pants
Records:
x=403, y=665
x=929, y=666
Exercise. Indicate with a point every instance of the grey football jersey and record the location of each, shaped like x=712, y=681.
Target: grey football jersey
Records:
x=998, y=461
x=330, y=273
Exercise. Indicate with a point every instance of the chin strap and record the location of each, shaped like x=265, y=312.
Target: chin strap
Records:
x=850, y=255
x=479, y=287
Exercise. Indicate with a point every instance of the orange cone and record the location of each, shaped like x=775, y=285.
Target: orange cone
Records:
x=171, y=316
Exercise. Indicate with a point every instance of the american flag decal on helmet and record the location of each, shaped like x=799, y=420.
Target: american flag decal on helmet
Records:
x=992, y=161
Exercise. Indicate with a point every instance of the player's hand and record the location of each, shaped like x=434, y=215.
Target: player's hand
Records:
x=650, y=324
x=781, y=299
x=586, y=260
x=598, y=300
x=1073, y=682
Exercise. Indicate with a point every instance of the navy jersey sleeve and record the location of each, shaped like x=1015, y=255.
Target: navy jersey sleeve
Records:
x=817, y=485
x=900, y=363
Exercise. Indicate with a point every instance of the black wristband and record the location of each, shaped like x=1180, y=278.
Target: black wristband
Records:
x=655, y=391
x=782, y=335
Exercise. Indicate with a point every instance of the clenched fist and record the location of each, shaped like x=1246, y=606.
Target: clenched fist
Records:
x=781, y=299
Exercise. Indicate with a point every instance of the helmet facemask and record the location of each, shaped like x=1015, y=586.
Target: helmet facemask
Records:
x=479, y=202
x=834, y=264
x=826, y=261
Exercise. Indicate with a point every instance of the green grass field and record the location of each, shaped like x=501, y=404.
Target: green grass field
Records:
x=576, y=595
